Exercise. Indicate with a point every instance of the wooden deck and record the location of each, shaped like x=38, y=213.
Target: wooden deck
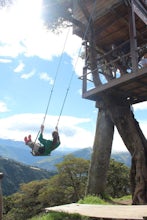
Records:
x=104, y=211
x=133, y=86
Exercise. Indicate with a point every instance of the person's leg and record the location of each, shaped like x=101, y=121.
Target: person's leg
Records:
x=28, y=142
x=34, y=146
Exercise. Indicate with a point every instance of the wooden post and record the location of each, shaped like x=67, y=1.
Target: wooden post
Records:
x=84, y=88
x=1, y=197
x=133, y=39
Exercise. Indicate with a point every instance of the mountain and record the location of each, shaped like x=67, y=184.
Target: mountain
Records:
x=16, y=173
x=19, y=166
x=122, y=157
x=50, y=162
x=18, y=151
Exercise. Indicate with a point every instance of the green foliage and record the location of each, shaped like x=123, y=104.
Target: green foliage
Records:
x=92, y=200
x=125, y=197
x=57, y=14
x=124, y=200
x=118, y=183
x=60, y=216
x=16, y=173
x=25, y=203
x=73, y=173
x=67, y=186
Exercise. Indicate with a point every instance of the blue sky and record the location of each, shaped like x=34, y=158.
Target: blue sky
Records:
x=29, y=59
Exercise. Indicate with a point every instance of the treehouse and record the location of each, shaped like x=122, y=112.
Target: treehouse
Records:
x=119, y=30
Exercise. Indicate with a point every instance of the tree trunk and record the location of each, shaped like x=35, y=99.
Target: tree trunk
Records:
x=132, y=136
x=119, y=114
x=101, y=154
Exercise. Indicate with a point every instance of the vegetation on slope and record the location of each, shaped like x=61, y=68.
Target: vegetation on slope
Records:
x=67, y=186
x=16, y=173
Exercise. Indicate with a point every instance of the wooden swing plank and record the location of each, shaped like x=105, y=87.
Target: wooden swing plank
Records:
x=104, y=211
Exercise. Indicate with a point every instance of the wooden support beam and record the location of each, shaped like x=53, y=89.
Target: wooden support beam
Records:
x=133, y=39
x=132, y=85
x=140, y=11
x=84, y=88
x=84, y=9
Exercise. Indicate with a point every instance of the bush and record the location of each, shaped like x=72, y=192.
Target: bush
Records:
x=92, y=200
x=60, y=216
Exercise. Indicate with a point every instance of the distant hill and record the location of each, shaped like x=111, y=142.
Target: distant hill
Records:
x=122, y=157
x=50, y=162
x=18, y=151
x=16, y=173
x=28, y=168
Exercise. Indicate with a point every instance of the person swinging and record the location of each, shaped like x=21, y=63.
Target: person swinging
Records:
x=45, y=147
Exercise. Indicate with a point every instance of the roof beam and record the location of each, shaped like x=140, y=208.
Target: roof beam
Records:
x=140, y=10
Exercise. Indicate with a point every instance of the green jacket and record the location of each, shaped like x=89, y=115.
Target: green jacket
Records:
x=47, y=145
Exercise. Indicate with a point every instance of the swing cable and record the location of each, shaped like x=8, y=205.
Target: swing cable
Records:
x=70, y=81
x=52, y=89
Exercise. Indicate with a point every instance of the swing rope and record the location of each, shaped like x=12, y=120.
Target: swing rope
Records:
x=66, y=94
x=90, y=18
x=55, y=79
x=67, y=91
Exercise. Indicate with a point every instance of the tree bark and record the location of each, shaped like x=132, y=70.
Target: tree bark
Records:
x=101, y=154
x=119, y=114
x=132, y=136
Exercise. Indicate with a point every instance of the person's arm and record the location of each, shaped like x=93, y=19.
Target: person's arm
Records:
x=56, y=129
x=41, y=139
x=58, y=138
x=42, y=129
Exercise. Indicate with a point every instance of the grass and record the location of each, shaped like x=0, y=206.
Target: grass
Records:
x=60, y=216
x=86, y=200
x=124, y=200
x=93, y=200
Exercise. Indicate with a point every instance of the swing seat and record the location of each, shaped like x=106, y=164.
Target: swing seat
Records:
x=39, y=155
x=41, y=152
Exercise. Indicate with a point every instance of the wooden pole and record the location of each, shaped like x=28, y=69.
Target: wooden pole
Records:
x=1, y=197
x=133, y=39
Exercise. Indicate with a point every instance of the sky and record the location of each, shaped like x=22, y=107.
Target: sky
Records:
x=36, y=66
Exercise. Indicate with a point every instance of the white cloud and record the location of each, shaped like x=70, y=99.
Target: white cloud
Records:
x=11, y=50
x=70, y=128
x=72, y=135
x=73, y=48
x=140, y=106
x=46, y=77
x=28, y=75
x=5, y=60
x=118, y=144
x=19, y=68
x=47, y=45
x=27, y=35
x=3, y=107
